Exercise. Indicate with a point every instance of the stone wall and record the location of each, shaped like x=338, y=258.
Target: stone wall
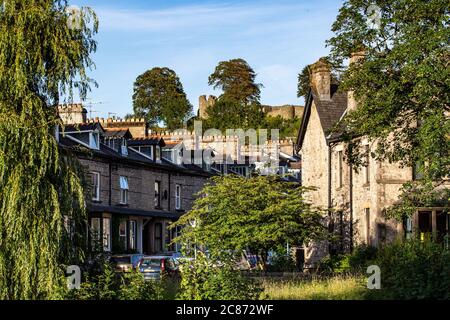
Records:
x=314, y=155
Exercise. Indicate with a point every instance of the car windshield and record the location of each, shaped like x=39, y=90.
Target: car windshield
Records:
x=121, y=259
x=151, y=263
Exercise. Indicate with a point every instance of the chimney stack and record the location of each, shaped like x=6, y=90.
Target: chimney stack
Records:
x=355, y=58
x=321, y=78
x=72, y=113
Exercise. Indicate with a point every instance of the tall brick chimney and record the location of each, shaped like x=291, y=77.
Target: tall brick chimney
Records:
x=321, y=78
x=356, y=57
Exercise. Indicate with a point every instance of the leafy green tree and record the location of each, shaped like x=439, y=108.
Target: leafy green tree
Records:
x=402, y=84
x=238, y=106
x=237, y=81
x=43, y=57
x=257, y=213
x=159, y=97
x=228, y=114
x=304, y=82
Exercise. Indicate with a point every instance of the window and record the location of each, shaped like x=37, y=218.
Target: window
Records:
x=107, y=234
x=95, y=186
x=367, y=166
x=94, y=140
x=124, y=190
x=158, y=237
x=132, y=235
x=158, y=153
x=382, y=231
x=123, y=234
x=124, y=149
x=157, y=194
x=367, y=216
x=178, y=197
x=340, y=169
x=95, y=234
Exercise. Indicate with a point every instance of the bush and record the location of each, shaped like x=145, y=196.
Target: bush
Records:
x=414, y=270
x=202, y=279
x=355, y=262
x=109, y=285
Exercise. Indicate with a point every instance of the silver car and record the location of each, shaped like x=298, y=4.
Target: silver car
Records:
x=153, y=266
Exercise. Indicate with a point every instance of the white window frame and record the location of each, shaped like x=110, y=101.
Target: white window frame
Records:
x=106, y=234
x=124, y=188
x=96, y=188
x=124, y=148
x=132, y=235
x=157, y=194
x=177, y=197
x=94, y=140
x=157, y=153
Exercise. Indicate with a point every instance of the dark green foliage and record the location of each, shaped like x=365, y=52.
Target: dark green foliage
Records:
x=414, y=270
x=237, y=81
x=355, y=262
x=288, y=128
x=42, y=209
x=209, y=279
x=402, y=85
x=109, y=285
x=159, y=97
x=229, y=114
x=257, y=214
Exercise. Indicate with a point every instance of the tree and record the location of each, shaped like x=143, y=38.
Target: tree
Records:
x=258, y=213
x=401, y=83
x=229, y=114
x=44, y=56
x=159, y=96
x=304, y=78
x=237, y=81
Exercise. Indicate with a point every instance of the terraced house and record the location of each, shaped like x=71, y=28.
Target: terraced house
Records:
x=136, y=189
x=356, y=199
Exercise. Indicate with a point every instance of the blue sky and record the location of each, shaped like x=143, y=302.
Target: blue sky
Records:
x=276, y=38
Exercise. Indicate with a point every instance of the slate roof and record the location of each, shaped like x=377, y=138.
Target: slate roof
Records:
x=330, y=112
x=153, y=140
x=83, y=127
x=117, y=133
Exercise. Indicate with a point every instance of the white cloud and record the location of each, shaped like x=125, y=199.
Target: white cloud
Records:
x=182, y=17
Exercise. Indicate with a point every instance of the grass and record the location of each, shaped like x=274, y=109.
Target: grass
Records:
x=336, y=288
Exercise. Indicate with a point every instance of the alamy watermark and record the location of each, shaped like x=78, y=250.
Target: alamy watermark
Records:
x=373, y=13
x=73, y=277
x=374, y=279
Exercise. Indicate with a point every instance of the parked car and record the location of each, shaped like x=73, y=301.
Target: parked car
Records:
x=153, y=266
x=125, y=262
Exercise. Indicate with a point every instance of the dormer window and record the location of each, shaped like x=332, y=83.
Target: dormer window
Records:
x=158, y=153
x=124, y=148
x=94, y=140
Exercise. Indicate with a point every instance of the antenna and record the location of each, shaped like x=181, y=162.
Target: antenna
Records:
x=90, y=106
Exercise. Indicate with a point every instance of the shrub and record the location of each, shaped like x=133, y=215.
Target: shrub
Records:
x=354, y=262
x=109, y=285
x=414, y=270
x=202, y=279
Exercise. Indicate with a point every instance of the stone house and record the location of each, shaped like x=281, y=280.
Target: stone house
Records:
x=355, y=199
x=134, y=192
